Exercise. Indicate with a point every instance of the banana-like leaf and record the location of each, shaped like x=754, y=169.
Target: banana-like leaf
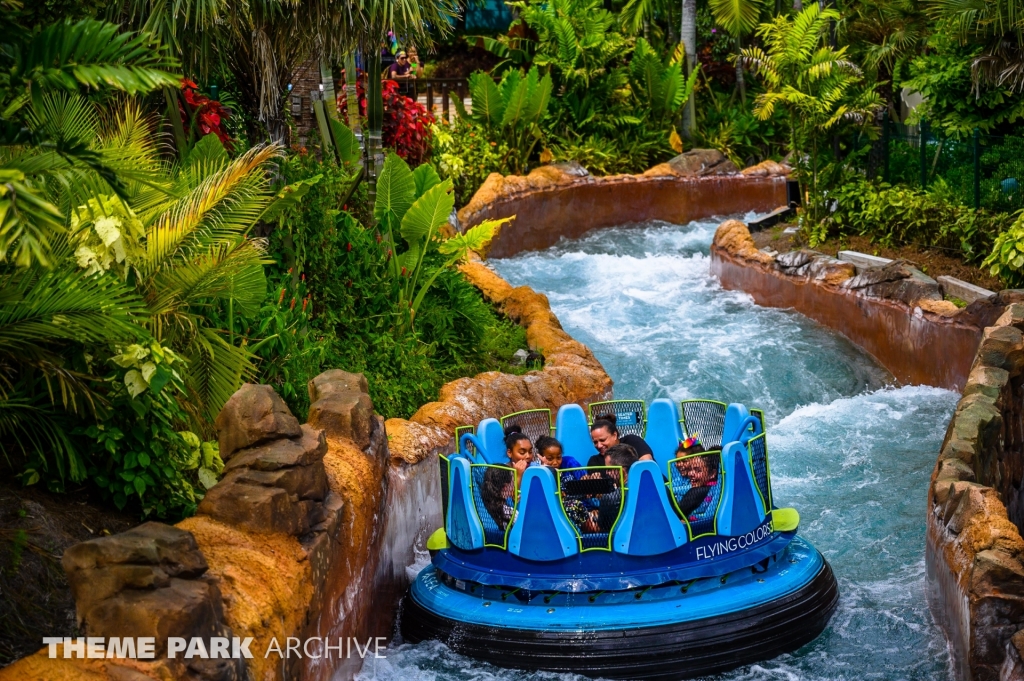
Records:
x=396, y=190
x=429, y=212
x=738, y=17
x=509, y=84
x=488, y=106
x=345, y=142
x=209, y=152
x=537, y=107
x=519, y=101
x=425, y=177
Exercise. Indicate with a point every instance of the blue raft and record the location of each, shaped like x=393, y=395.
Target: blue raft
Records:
x=677, y=568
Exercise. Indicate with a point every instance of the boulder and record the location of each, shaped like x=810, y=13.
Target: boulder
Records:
x=896, y=281
x=347, y=414
x=700, y=162
x=733, y=237
x=335, y=381
x=795, y=259
x=304, y=482
x=768, y=169
x=264, y=510
x=254, y=414
x=144, y=557
x=304, y=451
x=1001, y=347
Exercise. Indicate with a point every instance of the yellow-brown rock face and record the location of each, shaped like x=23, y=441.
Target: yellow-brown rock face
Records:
x=733, y=237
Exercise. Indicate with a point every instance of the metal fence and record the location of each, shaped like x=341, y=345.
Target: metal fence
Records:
x=979, y=170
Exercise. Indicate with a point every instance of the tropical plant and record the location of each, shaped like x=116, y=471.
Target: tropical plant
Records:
x=1007, y=258
x=263, y=43
x=817, y=86
x=997, y=28
x=658, y=86
x=886, y=35
x=511, y=112
x=466, y=156
x=415, y=204
x=739, y=18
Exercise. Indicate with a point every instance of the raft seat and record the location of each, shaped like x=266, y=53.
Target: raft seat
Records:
x=540, y=530
x=648, y=526
x=742, y=508
x=572, y=430
x=488, y=443
x=663, y=432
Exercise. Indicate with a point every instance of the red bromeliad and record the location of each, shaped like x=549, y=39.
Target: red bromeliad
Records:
x=209, y=114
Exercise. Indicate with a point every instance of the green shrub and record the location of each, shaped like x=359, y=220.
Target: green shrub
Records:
x=466, y=156
x=900, y=215
x=1007, y=258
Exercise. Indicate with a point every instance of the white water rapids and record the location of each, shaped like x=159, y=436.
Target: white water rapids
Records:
x=851, y=452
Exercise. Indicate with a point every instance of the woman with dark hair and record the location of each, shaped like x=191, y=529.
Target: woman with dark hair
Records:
x=519, y=450
x=605, y=434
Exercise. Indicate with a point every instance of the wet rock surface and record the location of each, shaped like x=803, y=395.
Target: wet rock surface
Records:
x=975, y=547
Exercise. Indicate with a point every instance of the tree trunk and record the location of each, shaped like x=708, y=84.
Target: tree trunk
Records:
x=741, y=84
x=688, y=36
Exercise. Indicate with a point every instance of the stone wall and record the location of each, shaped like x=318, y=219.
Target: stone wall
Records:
x=311, y=529
x=974, y=545
x=974, y=549
x=564, y=200
x=895, y=313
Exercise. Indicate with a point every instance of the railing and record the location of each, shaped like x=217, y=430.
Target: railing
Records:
x=979, y=170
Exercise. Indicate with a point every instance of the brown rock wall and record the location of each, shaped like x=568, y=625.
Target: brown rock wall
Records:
x=549, y=205
x=887, y=313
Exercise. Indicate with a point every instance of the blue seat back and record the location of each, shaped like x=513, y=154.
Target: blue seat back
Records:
x=489, y=441
x=461, y=522
x=663, y=431
x=540, y=530
x=740, y=425
x=741, y=508
x=572, y=430
x=648, y=526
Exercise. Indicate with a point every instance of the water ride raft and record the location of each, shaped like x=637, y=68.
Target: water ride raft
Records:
x=677, y=568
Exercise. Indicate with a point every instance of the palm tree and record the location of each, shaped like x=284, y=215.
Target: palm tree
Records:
x=262, y=42
x=999, y=28
x=739, y=18
x=688, y=38
x=817, y=85
x=886, y=34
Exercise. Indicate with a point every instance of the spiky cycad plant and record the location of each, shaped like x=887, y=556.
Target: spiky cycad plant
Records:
x=817, y=85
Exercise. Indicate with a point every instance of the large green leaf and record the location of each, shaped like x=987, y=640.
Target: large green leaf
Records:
x=474, y=239
x=96, y=54
x=537, y=107
x=519, y=101
x=345, y=141
x=425, y=177
x=396, y=190
x=488, y=106
x=289, y=196
x=429, y=212
x=738, y=17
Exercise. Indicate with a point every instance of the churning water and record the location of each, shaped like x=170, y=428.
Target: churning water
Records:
x=851, y=452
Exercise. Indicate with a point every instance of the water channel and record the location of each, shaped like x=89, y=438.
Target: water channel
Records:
x=848, y=449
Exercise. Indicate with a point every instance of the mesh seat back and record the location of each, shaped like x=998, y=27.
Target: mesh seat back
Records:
x=705, y=420
x=533, y=423
x=757, y=450
x=494, y=499
x=629, y=415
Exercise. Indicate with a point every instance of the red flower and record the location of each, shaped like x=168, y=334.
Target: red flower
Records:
x=292, y=306
x=349, y=247
x=280, y=298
